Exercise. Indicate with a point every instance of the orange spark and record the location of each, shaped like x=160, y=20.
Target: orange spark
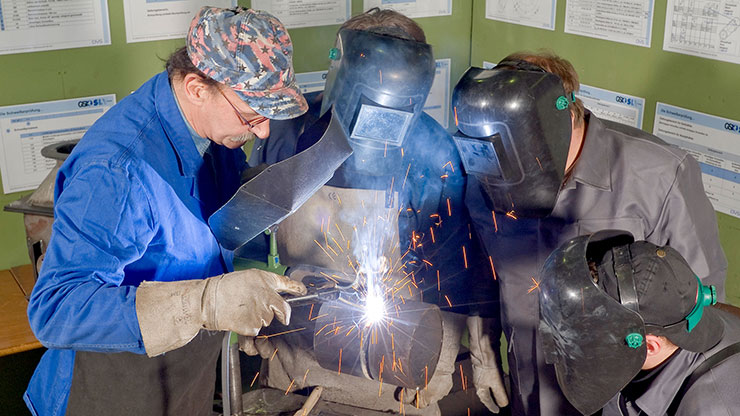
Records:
x=350, y=330
x=462, y=377
x=465, y=257
x=495, y=226
x=332, y=250
x=254, y=379
x=454, y=111
x=322, y=328
x=310, y=312
x=431, y=231
x=319, y=316
x=448, y=301
x=449, y=162
x=405, y=177
x=339, y=229
x=280, y=333
x=385, y=149
x=417, y=399
x=305, y=375
x=445, y=176
x=438, y=287
x=289, y=387
x=493, y=269
x=538, y=162
x=535, y=286
x=510, y=214
x=339, y=371
x=273, y=354
x=322, y=249
x=427, y=262
x=426, y=377
x=449, y=208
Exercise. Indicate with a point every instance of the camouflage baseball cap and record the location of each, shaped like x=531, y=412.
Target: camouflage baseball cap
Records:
x=251, y=52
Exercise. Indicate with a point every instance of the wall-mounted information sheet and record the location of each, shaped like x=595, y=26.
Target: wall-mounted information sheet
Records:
x=26, y=129
x=307, y=13
x=43, y=25
x=614, y=106
x=413, y=8
x=714, y=142
x=626, y=21
x=536, y=13
x=163, y=19
x=311, y=81
x=706, y=28
x=438, y=100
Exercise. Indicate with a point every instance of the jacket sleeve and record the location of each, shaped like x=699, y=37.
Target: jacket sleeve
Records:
x=103, y=222
x=688, y=223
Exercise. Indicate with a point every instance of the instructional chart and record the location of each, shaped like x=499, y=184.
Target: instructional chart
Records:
x=413, y=8
x=705, y=28
x=26, y=129
x=614, y=106
x=42, y=25
x=536, y=13
x=307, y=13
x=163, y=19
x=625, y=21
x=714, y=142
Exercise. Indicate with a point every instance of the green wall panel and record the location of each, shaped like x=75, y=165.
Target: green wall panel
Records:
x=690, y=82
x=122, y=67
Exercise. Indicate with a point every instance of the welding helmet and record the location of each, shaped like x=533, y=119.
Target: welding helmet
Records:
x=513, y=135
x=599, y=296
x=378, y=85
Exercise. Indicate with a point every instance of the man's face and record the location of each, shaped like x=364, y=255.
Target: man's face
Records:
x=229, y=121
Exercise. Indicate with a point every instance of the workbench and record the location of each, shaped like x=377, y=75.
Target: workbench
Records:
x=15, y=332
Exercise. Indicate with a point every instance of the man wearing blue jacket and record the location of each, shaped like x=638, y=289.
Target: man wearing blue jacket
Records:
x=132, y=266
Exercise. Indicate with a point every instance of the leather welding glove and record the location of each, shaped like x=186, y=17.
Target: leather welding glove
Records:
x=172, y=313
x=256, y=346
x=441, y=381
x=489, y=385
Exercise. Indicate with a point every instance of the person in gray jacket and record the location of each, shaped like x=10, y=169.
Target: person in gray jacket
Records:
x=629, y=327
x=543, y=170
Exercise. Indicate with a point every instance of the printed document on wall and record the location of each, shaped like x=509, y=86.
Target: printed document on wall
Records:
x=614, y=106
x=705, y=28
x=413, y=8
x=714, y=142
x=536, y=13
x=44, y=25
x=437, y=104
x=307, y=13
x=26, y=129
x=625, y=21
x=163, y=19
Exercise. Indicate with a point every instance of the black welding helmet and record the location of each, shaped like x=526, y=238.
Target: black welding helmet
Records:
x=594, y=341
x=378, y=85
x=513, y=135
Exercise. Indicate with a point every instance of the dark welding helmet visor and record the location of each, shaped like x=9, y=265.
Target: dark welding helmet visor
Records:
x=378, y=85
x=595, y=342
x=514, y=134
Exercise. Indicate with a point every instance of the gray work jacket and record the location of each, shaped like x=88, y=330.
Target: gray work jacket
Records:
x=713, y=394
x=624, y=179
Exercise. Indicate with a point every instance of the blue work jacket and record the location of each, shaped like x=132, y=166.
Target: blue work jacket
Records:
x=131, y=204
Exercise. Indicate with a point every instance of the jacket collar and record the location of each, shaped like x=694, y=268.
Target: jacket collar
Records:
x=175, y=128
x=593, y=167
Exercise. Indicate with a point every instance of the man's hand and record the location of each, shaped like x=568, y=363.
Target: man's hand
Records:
x=489, y=385
x=171, y=313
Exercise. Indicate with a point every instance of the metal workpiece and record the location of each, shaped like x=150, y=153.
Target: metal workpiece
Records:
x=38, y=207
x=401, y=349
x=280, y=189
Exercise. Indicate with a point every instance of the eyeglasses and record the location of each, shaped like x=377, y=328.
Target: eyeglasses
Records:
x=257, y=120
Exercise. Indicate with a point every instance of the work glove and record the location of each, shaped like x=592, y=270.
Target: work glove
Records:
x=489, y=385
x=256, y=346
x=441, y=381
x=172, y=313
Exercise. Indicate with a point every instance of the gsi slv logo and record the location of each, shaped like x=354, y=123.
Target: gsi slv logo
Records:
x=91, y=103
x=732, y=127
x=625, y=100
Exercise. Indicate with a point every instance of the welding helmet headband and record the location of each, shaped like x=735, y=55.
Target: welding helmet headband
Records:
x=513, y=135
x=378, y=85
x=594, y=341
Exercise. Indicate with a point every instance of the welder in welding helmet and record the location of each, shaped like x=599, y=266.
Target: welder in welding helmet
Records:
x=514, y=134
x=378, y=83
x=605, y=302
